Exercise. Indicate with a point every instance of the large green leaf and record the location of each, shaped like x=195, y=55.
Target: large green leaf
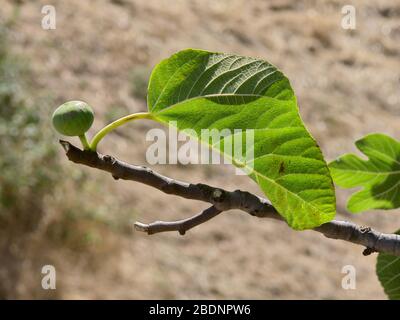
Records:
x=205, y=90
x=388, y=272
x=379, y=176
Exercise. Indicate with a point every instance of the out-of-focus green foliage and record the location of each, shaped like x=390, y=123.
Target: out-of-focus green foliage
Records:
x=28, y=160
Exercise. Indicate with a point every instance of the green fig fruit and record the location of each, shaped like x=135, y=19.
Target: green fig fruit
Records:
x=73, y=118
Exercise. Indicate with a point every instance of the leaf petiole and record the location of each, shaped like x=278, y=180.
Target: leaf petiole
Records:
x=108, y=128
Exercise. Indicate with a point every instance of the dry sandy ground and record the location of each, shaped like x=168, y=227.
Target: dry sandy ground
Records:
x=347, y=83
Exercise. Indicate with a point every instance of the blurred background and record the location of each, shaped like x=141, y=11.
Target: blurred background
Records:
x=80, y=220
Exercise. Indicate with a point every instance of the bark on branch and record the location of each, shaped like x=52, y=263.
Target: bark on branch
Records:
x=222, y=200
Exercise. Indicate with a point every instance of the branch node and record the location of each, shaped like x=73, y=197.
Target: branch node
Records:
x=218, y=195
x=368, y=251
x=109, y=159
x=364, y=229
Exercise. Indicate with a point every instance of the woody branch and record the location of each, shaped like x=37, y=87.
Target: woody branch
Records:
x=222, y=200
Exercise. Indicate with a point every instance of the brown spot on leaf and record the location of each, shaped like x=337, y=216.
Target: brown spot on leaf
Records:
x=282, y=168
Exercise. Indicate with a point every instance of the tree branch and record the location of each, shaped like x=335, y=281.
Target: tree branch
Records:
x=181, y=225
x=222, y=200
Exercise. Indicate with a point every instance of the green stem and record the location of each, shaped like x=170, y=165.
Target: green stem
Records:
x=85, y=142
x=108, y=128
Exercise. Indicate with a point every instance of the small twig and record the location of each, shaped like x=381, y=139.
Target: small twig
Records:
x=223, y=200
x=181, y=225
